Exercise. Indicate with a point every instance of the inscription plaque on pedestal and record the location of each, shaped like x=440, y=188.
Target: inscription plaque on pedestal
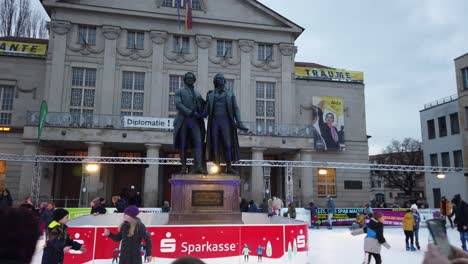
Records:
x=207, y=198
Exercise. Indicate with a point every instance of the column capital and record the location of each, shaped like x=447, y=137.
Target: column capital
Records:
x=158, y=37
x=287, y=49
x=256, y=149
x=153, y=146
x=306, y=151
x=203, y=41
x=246, y=45
x=60, y=27
x=94, y=143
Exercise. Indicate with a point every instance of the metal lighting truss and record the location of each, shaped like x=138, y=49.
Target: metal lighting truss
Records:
x=244, y=163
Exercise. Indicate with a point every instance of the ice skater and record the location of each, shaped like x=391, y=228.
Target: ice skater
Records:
x=330, y=210
x=246, y=252
x=408, y=228
x=313, y=215
x=374, y=239
x=417, y=220
x=260, y=252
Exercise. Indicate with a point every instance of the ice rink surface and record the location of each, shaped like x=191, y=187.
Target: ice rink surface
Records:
x=339, y=246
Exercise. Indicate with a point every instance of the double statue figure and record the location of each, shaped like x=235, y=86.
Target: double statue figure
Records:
x=222, y=111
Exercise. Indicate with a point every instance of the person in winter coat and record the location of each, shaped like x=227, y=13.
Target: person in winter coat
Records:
x=291, y=211
x=264, y=206
x=446, y=209
x=131, y=232
x=408, y=228
x=97, y=206
x=119, y=204
x=252, y=207
x=374, y=239
x=330, y=210
x=244, y=205
x=461, y=219
x=48, y=215
x=58, y=240
x=417, y=220
x=360, y=221
x=5, y=199
x=313, y=215
x=166, y=208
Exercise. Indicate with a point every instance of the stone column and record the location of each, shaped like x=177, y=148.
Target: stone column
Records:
x=202, y=84
x=56, y=70
x=25, y=181
x=287, y=70
x=307, y=184
x=156, y=92
x=111, y=34
x=150, y=186
x=256, y=179
x=247, y=95
x=95, y=185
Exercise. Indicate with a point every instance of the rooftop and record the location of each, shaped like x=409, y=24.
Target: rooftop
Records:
x=441, y=101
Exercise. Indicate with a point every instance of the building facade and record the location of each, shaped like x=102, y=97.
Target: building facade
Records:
x=461, y=73
x=442, y=143
x=112, y=65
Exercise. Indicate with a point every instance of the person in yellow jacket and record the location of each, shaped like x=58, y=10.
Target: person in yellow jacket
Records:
x=446, y=210
x=408, y=228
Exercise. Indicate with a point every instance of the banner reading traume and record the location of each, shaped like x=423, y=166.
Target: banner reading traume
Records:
x=12, y=47
x=329, y=74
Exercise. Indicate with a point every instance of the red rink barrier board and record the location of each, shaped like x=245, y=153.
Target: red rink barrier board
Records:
x=212, y=244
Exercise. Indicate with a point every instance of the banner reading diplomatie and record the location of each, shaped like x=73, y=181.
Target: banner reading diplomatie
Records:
x=329, y=74
x=11, y=47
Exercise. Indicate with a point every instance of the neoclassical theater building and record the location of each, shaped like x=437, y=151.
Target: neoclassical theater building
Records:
x=109, y=76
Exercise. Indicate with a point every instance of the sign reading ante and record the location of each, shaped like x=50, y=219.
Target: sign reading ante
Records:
x=23, y=48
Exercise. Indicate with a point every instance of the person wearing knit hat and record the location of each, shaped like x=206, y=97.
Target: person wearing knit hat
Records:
x=131, y=232
x=58, y=240
x=461, y=219
x=417, y=220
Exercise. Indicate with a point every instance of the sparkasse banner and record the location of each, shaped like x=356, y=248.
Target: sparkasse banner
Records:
x=148, y=122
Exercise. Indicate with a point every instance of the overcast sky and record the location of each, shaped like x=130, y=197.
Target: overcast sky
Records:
x=404, y=47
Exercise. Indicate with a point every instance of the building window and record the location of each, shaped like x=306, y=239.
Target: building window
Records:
x=6, y=102
x=326, y=182
x=133, y=93
x=181, y=44
x=445, y=159
x=465, y=77
x=135, y=40
x=442, y=126
x=454, y=124
x=82, y=95
x=265, y=52
x=458, y=159
x=434, y=160
x=265, y=107
x=224, y=48
x=175, y=82
x=196, y=4
x=430, y=129
x=87, y=35
x=229, y=85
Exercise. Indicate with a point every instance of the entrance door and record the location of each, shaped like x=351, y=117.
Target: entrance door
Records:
x=436, y=195
x=126, y=176
x=70, y=185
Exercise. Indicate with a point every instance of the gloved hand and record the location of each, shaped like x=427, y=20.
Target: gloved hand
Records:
x=242, y=127
x=387, y=245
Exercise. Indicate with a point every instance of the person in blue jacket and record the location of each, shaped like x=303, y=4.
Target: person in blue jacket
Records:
x=330, y=211
x=417, y=220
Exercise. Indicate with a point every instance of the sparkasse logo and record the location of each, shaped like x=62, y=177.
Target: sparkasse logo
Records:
x=168, y=244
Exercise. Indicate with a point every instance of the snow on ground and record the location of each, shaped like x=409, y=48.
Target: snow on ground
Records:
x=339, y=246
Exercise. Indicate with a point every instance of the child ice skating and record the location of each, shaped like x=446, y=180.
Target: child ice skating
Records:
x=58, y=240
x=374, y=239
x=408, y=228
x=131, y=232
x=417, y=220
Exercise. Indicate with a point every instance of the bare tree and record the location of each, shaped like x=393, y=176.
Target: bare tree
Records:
x=17, y=19
x=407, y=152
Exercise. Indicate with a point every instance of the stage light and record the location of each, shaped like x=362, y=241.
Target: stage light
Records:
x=322, y=171
x=440, y=175
x=91, y=167
x=214, y=169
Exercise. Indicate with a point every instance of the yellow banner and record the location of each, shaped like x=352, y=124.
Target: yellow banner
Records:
x=329, y=74
x=2, y=175
x=10, y=47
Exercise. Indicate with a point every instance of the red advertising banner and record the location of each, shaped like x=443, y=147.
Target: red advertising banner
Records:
x=213, y=244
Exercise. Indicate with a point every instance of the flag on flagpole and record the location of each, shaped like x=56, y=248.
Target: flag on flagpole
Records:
x=188, y=15
x=179, y=22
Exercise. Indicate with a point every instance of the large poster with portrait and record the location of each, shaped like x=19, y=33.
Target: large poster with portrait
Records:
x=328, y=123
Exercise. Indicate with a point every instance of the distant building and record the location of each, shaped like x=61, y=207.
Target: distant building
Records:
x=461, y=72
x=385, y=191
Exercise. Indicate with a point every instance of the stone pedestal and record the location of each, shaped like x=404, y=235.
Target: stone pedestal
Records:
x=205, y=199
